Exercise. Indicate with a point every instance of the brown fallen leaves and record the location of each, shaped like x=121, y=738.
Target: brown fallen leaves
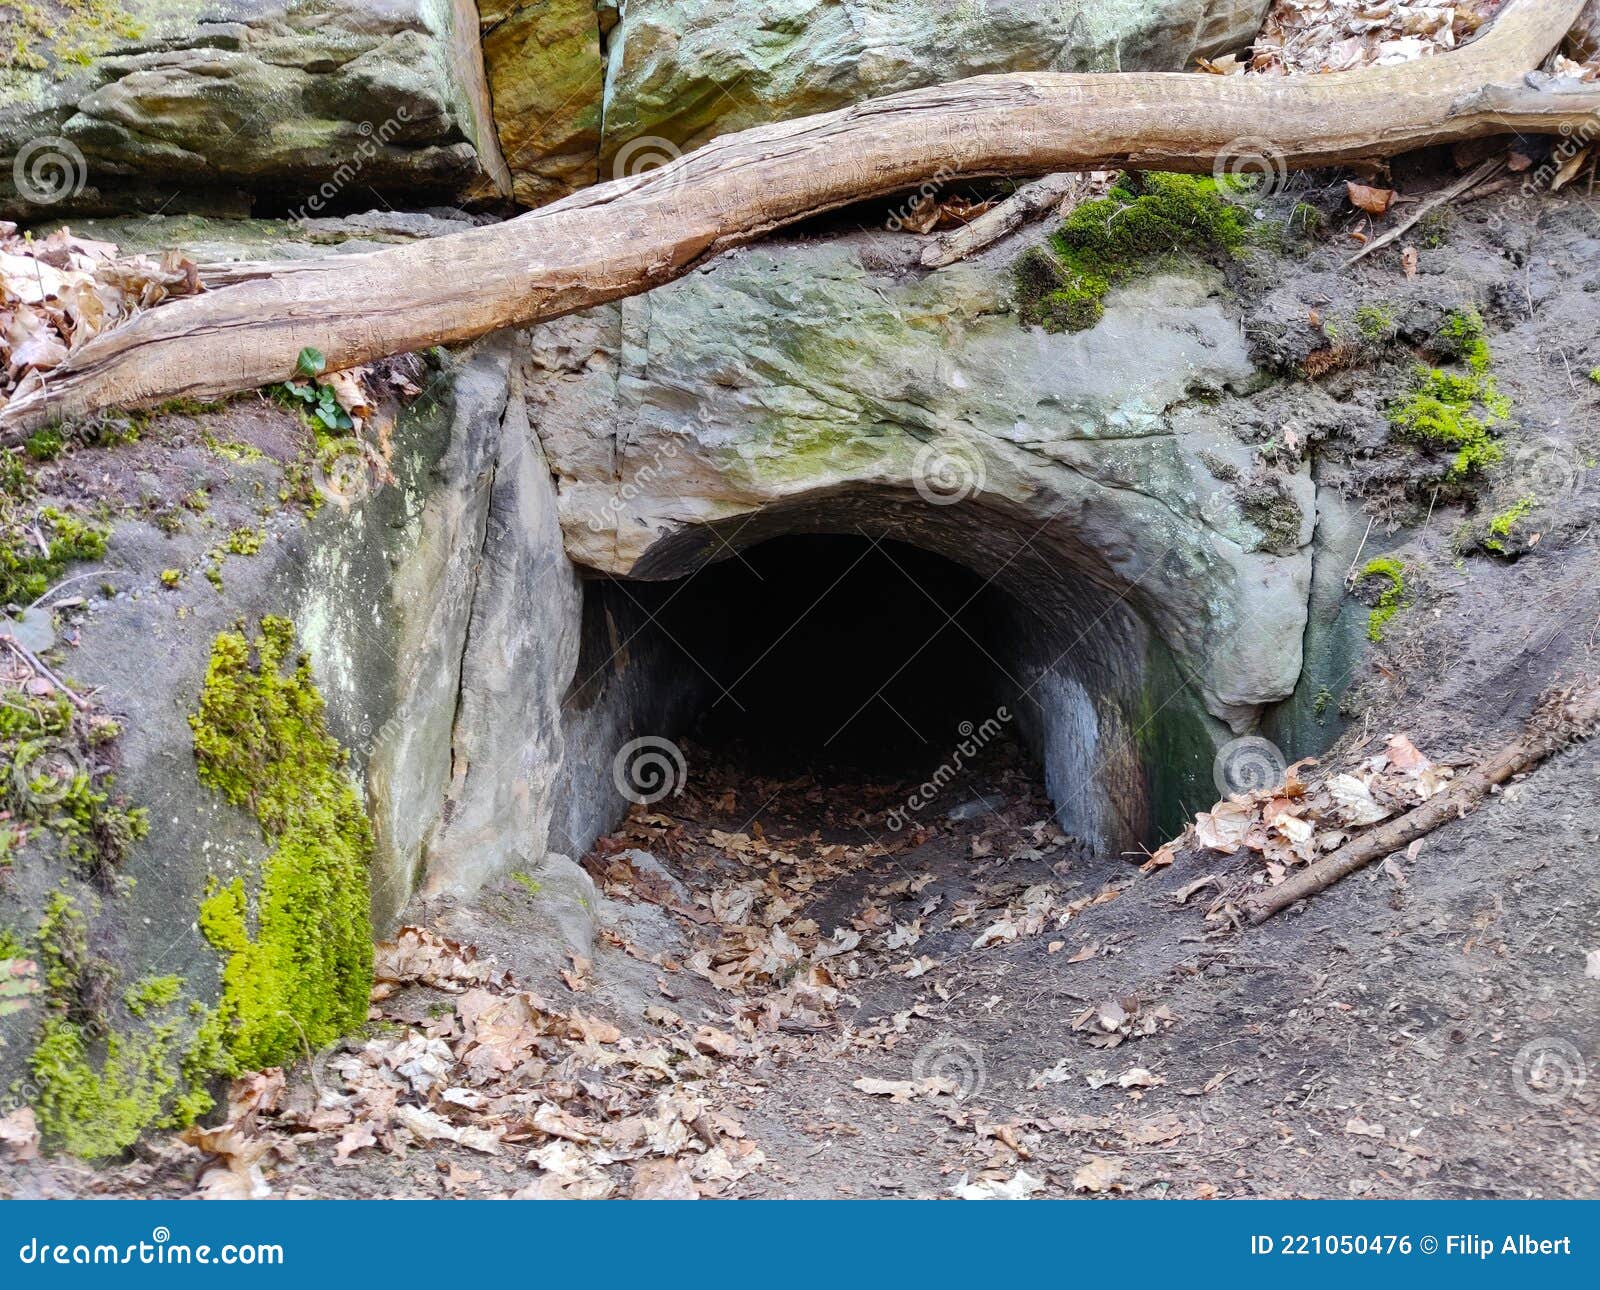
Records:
x=1341, y=35
x=499, y=1073
x=1300, y=819
x=60, y=292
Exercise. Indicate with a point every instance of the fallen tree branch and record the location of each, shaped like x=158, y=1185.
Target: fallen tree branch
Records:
x=1465, y=184
x=1026, y=203
x=625, y=237
x=1561, y=719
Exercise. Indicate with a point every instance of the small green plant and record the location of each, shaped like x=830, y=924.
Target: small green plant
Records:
x=318, y=401
x=1594, y=376
x=1322, y=702
x=1391, y=600
x=171, y=577
x=527, y=882
x=1503, y=525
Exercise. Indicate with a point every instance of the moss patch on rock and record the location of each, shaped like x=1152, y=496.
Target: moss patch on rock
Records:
x=95, y=1089
x=1116, y=237
x=299, y=964
x=59, y=784
x=27, y=568
x=1391, y=599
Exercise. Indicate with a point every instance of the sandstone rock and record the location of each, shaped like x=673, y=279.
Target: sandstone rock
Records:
x=782, y=379
x=307, y=102
x=547, y=78
x=684, y=72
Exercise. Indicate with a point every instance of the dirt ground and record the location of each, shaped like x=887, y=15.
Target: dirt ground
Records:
x=1004, y=1015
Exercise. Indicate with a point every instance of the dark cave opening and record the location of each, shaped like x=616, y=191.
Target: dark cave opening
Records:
x=833, y=654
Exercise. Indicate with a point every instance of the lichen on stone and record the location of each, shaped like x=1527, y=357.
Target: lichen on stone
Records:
x=299, y=964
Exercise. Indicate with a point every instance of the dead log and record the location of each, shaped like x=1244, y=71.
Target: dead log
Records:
x=625, y=237
x=1028, y=202
x=1561, y=719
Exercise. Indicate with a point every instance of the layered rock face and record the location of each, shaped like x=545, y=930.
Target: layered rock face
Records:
x=309, y=105
x=685, y=72
x=192, y=106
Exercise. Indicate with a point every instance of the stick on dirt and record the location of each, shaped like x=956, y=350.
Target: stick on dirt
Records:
x=1561, y=719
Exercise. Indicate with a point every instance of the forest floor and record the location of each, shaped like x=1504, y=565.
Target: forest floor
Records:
x=788, y=1000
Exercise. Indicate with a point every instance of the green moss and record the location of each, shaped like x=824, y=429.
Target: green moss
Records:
x=1391, y=600
x=1595, y=376
x=303, y=975
x=244, y=541
x=1376, y=323
x=1116, y=237
x=171, y=577
x=527, y=882
x=1503, y=525
x=95, y=1088
x=232, y=449
x=27, y=571
x=66, y=792
x=1454, y=410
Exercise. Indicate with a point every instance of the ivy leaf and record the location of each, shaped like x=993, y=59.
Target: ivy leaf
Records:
x=312, y=362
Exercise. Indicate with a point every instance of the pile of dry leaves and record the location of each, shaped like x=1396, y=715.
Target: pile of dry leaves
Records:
x=60, y=292
x=1301, y=819
x=467, y=1059
x=1341, y=35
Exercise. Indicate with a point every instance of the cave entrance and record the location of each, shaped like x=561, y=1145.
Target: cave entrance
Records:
x=840, y=655
x=863, y=657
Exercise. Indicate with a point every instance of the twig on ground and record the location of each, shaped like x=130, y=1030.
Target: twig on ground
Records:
x=1562, y=718
x=1464, y=185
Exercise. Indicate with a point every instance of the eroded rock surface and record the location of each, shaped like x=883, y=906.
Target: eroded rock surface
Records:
x=194, y=105
x=783, y=380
